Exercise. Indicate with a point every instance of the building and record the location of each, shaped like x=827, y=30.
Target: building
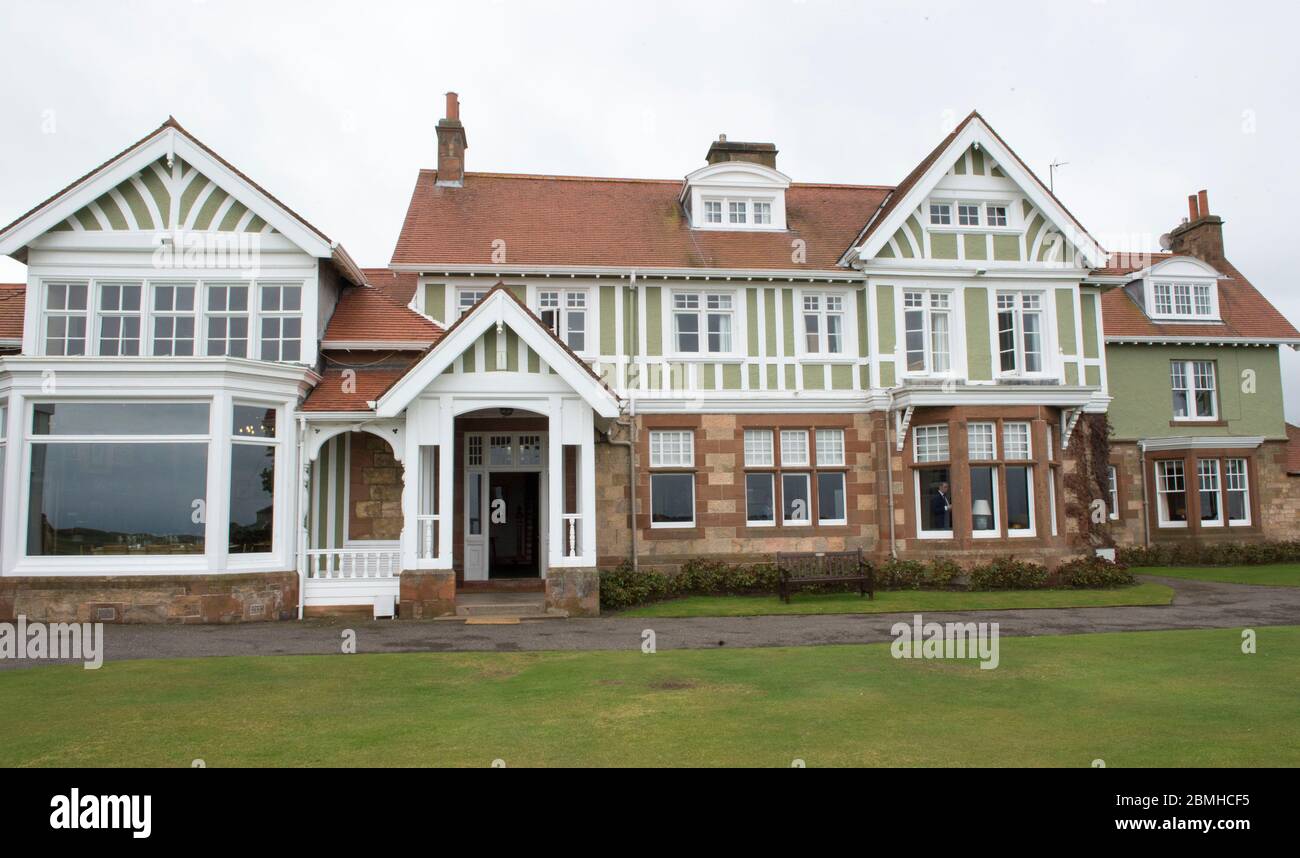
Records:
x=216, y=415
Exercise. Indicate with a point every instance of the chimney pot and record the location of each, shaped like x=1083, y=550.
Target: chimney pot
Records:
x=1204, y=199
x=1193, y=210
x=722, y=138
x=453, y=106
x=451, y=145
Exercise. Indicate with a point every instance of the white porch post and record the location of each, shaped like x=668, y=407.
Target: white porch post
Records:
x=446, y=480
x=555, y=483
x=411, y=488
x=303, y=513
x=587, y=486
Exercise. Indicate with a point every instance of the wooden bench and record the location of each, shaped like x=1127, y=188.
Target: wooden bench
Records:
x=825, y=567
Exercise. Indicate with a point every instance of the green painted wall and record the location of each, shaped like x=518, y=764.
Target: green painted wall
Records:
x=654, y=338
x=1088, y=311
x=1065, y=324
x=608, y=330
x=979, y=355
x=885, y=319
x=435, y=301
x=943, y=245
x=1143, y=405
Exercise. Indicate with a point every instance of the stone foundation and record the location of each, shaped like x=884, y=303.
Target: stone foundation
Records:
x=574, y=590
x=426, y=594
x=234, y=598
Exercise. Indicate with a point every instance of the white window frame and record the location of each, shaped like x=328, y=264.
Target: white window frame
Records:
x=175, y=316
x=567, y=301
x=1164, y=297
x=281, y=316
x=932, y=302
x=1032, y=530
x=703, y=312
x=1004, y=215
x=1160, y=467
x=251, y=338
x=967, y=209
x=986, y=430
x=921, y=532
x=278, y=443
x=794, y=448
x=1012, y=452
x=88, y=336
x=996, y=472
x=1112, y=493
x=674, y=460
x=1187, y=369
x=737, y=212
x=759, y=449
x=820, y=308
x=718, y=210
x=770, y=476
x=939, y=431
x=468, y=296
x=1209, y=472
x=1020, y=304
x=102, y=315
x=1244, y=489
x=940, y=213
x=807, y=482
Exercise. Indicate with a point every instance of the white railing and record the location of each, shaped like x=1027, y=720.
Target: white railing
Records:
x=426, y=530
x=572, y=544
x=350, y=563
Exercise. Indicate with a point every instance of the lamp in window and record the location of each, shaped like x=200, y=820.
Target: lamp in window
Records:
x=982, y=514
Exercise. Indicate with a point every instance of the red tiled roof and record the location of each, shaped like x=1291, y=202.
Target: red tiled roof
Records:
x=366, y=386
x=568, y=220
x=1245, y=312
x=398, y=285
x=11, y=310
x=1120, y=264
x=1293, y=449
x=368, y=314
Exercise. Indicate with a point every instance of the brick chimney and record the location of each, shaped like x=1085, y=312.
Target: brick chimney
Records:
x=1202, y=235
x=451, y=145
x=723, y=149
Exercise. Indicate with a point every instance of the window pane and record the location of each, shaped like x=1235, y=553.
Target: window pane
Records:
x=254, y=421
x=980, y=441
x=115, y=499
x=688, y=332
x=758, y=448
x=1207, y=474
x=1015, y=440
x=830, y=447
x=796, y=506
x=930, y=443
x=1171, y=491
x=474, y=503
x=1237, y=490
x=672, y=498
x=252, y=498
x=759, y=505
x=120, y=418
x=984, y=503
x=935, y=499
x=830, y=498
x=1019, y=512
x=672, y=449
x=794, y=447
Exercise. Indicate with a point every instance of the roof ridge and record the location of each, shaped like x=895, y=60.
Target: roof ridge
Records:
x=561, y=177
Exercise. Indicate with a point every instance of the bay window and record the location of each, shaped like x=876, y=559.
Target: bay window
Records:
x=1020, y=332
x=254, y=444
x=708, y=313
x=672, y=494
x=823, y=322
x=1193, y=386
x=65, y=318
x=119, y=319
x=927, y=331
x=565, y=313
x=117, y=479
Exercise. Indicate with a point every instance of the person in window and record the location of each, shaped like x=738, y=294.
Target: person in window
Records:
x=941, y=508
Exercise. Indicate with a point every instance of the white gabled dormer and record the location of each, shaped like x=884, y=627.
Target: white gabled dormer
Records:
x=1178, y=289
x=740, y=189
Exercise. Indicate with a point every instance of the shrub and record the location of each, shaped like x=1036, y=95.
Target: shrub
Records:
x=622, y=587
x=898, y=574
x=1007, y=573
x=1093, y=573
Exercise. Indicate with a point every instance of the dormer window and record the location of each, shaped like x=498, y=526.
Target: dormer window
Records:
x=735, y=194
x=1178, y=289
x=762, y=213
x=737, y=211
x=713, y=211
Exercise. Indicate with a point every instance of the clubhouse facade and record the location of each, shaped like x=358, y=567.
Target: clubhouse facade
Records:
x=210, y=413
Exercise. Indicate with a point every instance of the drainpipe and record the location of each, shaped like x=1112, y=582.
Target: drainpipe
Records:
x=301, y=517
x=889, y=472
x=1146, y=513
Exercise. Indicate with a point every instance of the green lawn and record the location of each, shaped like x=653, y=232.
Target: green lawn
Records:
x=1276, y=575
x=1178, y=698
x=901, y=601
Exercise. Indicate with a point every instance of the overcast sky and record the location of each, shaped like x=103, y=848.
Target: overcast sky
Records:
x=332, y=106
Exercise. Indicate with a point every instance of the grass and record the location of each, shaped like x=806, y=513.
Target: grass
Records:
x=1175, y=698
x=1275, y=575
x=902, y=601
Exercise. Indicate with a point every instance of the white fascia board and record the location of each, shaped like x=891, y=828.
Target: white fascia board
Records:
x=977, y=132
x=966, y=269
x=443, y=269
x=1226, y=442
x=1068, y=397
x=144, y=377
x=502, y=309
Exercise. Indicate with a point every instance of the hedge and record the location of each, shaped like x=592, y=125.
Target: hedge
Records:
x=1221, y=554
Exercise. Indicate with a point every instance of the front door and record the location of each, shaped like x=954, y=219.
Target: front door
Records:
x=513, y=525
